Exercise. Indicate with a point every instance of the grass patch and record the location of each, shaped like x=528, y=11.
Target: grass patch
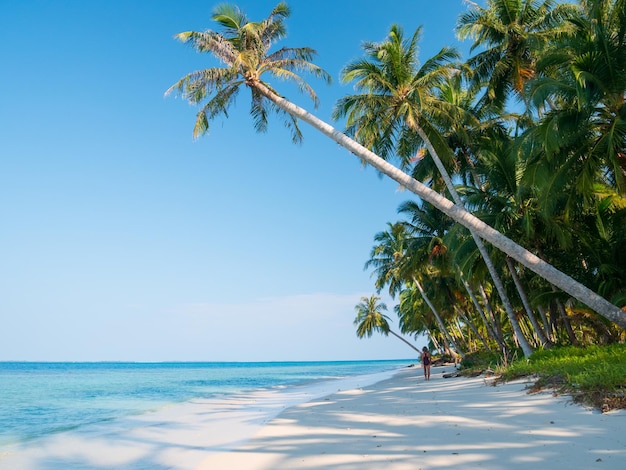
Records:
x=593, y=375
x=479, y=362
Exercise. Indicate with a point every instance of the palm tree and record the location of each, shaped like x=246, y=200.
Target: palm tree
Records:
x=369, y=318
x=507, y=204
x=429, y=229
x=244, y=49
x=417, y=314
x=397, y=104
x=399, y=101
x=395, y=267
x=415, y=322
x=584, y=82
x=511, y=33
x=388, y=258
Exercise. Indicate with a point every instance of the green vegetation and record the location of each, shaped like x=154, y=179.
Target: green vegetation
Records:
x=479, y=362
x=593, y=375
x=522, y=145
x=534, y=134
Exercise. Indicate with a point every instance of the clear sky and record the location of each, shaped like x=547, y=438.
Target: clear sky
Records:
x=122, y=238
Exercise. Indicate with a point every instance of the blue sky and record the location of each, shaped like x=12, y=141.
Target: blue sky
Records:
x=122, y=238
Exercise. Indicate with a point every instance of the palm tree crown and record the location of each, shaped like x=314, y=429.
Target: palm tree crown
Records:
x=244, y=49
x=369, y=317
x=511, y=32
x=397, y=101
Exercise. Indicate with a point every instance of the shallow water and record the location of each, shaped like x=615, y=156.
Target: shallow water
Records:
x=39, y=400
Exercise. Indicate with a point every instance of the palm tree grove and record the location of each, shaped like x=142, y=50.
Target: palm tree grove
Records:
x=508, y=254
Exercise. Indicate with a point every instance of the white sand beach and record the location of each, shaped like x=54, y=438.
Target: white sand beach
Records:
x=399, y=423
x=455, y=423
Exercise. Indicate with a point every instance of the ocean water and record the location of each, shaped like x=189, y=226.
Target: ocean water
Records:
x=39, y=400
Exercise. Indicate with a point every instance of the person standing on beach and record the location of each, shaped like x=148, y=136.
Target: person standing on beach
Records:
x=426, y=361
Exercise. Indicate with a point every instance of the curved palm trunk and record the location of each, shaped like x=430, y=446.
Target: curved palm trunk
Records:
x=444, y=331
x=457, y=331
x=496, y=322
x=468, y=321
x=497, y=281
x=434, y=340
x=566, y=323
x=402, y=339
x=546, y=323
x=458, y=214
x=491, y=330
x=543, y=340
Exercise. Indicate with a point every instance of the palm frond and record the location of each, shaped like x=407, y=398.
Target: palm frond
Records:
x=217, y=105
x=244, y=47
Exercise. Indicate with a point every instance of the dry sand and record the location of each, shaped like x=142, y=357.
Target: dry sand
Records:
x=456, y=423
x=399, y=423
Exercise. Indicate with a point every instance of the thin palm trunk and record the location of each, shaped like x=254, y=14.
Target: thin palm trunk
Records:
x=554, y=319
x=458, y=214
x=404, y=340
x=496, y=323
x=488, y=326
x=444, y=331
x=546, y=323
x=566, y=323
x=434, y=340
x=458, y=331
x=497, y=281
x=529, y=311
x=472, y=327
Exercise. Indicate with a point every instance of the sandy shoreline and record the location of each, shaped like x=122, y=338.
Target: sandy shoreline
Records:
x=178, y=436
x=458, y=423
x=398, y=423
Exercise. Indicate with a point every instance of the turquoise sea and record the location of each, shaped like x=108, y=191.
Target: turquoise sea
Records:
x=42, y=399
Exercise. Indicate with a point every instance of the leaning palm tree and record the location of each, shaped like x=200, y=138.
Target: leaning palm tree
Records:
x=428, y=230
x=584, y=83
x=398, y=100
x=390, y=259
x=244, y=50
x=370, y=318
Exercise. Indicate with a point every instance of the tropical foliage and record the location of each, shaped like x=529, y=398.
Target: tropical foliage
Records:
x=527, y=137
x=548, y=172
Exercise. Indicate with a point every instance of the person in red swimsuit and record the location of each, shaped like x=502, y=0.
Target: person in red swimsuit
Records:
x=426, y=361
